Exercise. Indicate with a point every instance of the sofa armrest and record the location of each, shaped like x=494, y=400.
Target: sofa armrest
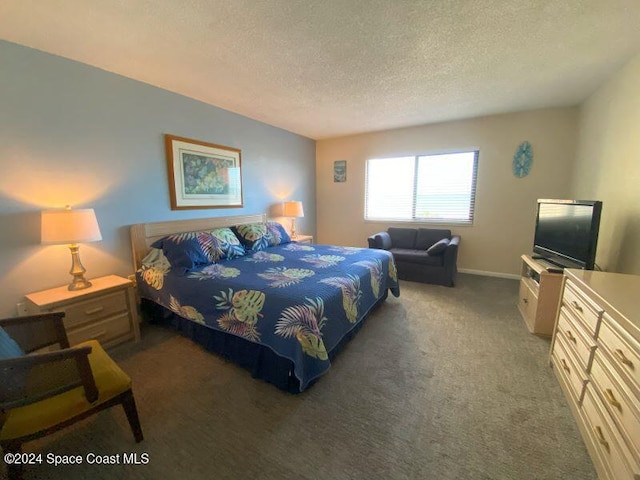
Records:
x=381, y=241
x=451, y=252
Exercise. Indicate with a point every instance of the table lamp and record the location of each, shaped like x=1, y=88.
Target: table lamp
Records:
x=71, y=227
x=293, y=209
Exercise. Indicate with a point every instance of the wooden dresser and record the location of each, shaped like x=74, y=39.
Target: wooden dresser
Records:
x=595, y=354
x=106, y=311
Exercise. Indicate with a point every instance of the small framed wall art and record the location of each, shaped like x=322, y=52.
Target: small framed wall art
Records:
x=340, y=171
x=203, y=175
x=522, y=160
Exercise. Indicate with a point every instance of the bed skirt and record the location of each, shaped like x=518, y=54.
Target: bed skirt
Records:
x=260, y=361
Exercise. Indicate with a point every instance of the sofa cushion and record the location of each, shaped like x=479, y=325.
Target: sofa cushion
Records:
x=403, y=237
x=439, y=247
x=8, y=346
x=428, y=236
x=421, y=257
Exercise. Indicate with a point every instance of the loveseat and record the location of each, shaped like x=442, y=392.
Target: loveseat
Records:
x=427, y=255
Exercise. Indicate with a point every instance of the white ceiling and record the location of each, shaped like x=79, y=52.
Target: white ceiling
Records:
x=325, y=68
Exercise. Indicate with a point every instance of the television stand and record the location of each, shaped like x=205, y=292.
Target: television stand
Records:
x=540, y=285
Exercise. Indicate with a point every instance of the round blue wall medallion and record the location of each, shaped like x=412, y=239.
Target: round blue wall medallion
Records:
x=522, y=160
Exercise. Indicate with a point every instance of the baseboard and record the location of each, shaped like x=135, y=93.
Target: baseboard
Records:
x=511, y=276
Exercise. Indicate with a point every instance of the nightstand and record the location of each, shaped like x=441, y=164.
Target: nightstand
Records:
x=106, y=311
x=302, y=238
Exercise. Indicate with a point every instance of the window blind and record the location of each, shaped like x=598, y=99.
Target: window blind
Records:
x=426, y=188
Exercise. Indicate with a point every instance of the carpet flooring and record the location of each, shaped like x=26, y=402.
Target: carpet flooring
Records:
x=441, y=383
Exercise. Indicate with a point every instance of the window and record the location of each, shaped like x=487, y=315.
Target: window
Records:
x=426, y=188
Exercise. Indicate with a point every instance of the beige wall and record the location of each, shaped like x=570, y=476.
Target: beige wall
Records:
x=608, y=166
x=505, y=205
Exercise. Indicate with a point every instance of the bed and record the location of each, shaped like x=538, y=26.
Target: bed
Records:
x=281, y=309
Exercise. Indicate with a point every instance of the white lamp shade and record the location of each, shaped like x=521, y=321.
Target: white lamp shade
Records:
x=69, y=226
x=293, y=209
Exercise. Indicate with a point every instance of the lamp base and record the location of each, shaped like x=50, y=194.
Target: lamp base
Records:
x=79, y=284
x=77, y=270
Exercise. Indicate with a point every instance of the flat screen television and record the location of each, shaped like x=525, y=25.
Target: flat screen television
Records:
x=567, y=232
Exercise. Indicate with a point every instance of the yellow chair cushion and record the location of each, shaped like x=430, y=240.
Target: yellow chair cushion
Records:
x=110, y=380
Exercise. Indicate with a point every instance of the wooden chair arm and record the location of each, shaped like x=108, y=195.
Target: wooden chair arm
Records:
x=34, y=332
x=29, y=379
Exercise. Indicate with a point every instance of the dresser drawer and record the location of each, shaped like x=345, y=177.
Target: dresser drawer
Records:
x=587, y=312
x=94, y=309
x=528, y=302
x=624, y=350
x=606, y=439
x=576, y=338
x=103, y=330
x=567, y=367
x=619, y=402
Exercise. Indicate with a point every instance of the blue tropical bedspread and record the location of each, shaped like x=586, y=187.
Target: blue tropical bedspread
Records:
x=300, y=300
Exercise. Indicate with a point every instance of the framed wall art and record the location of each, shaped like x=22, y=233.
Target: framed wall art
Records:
x=340, y=171
x=203, y=175
x=522, y=160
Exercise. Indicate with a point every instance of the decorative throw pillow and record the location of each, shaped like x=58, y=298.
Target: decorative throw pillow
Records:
x=155, y=259
x=277, y=234
x=153, y=268
x=186, y=251
x=227, y=244
x=253, y=236
x=8, y=346
x=439, y=247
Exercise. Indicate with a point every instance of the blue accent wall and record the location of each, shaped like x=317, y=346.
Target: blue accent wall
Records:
x=74, y=134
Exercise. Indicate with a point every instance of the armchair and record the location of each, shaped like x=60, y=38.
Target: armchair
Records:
x=41, y=393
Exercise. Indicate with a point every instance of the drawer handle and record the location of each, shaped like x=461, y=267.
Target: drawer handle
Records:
x=611, y=398
x=600, y=437
x=524, y=300
x=576, y=305
x=565, y=366
x=622, y=357
x=571, y=337
x=91, y=311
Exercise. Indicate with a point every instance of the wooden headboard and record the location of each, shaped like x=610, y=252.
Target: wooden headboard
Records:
x=144, y=234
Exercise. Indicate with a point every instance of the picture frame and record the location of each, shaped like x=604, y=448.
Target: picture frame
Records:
x=340, y=171
x=202, y=174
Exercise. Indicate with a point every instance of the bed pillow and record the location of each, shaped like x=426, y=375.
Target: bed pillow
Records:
x=226, y=244
x=8, y=346
x=439, y=247
x=186, y=251
x=277, y=234
x=258, y=236
x=254, y=236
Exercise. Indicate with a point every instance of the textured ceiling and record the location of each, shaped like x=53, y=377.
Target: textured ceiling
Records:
x=331, y=68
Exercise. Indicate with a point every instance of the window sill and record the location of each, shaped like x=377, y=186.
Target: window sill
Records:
x=421, y=222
